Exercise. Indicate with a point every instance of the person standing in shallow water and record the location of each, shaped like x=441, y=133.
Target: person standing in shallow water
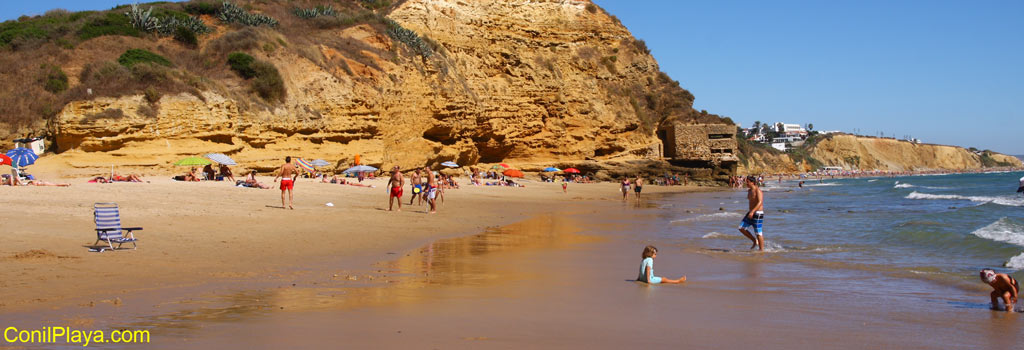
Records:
x=1020, y=189
x=755, y=214
x=625, y=187
x=638, y=185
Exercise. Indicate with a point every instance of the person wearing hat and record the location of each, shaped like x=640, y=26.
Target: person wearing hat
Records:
x=1004, y=287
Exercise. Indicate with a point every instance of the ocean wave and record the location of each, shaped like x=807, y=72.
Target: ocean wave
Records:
x=708, y=217
x=1007, y=201
x=1016, y=262
x=714, y=234
x=823, y=184
x=1002, y=230
x=872, y=180
x=903, y=185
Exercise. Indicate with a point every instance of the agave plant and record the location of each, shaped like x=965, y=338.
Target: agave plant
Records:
x=410, y=38
x=142, y=20
x=231, y=13
x=315, y=12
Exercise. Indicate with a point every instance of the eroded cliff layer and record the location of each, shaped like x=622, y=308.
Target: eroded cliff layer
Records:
x=870, y=153
x=512, y=81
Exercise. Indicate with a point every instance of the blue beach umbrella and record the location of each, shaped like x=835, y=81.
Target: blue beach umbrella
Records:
x=320, y=162
x=22, y=156
x=221, y=158
x=551, y=169
x=359, y=169
x=450, y=164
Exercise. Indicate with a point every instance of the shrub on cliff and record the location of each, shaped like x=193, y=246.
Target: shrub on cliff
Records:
x=231, y=13
x=54, y=80
x=408, y=37
x=202, y=8
x=242, y=64
x=266, y=80
x=135, y=56
x=315, y=12
x=110, y=23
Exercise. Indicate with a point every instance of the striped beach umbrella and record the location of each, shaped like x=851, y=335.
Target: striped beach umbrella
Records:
x=192, y=161
x=551, y=169
x=450, y=164
x=22, y=156
x=305, y=165
x=221, y=158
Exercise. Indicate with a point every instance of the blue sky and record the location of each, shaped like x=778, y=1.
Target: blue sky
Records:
x=949, y=72
x=946, y=72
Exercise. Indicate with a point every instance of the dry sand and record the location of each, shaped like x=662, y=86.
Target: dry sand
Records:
x=198, y=233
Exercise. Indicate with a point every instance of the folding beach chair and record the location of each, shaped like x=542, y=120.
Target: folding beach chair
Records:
x=108, y=226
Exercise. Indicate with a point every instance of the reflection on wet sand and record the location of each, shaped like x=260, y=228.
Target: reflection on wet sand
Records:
x=418, y=277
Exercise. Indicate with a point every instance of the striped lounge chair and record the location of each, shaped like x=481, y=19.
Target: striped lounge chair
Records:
x=108, y=227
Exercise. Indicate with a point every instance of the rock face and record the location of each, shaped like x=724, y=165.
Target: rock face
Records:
x=869, y=153
x=521, y=82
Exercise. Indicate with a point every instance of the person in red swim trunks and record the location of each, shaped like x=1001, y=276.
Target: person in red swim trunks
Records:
x=395, y=185
x=287, y=173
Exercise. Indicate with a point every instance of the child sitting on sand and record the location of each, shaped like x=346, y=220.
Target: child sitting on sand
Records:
x=647, y=268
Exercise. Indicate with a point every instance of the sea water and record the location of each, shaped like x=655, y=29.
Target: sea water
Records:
x=943, y=228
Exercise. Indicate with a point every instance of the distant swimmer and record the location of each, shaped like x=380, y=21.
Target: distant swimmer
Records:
x=755, y=215
x=1005, y=287
x=801, y=184
x=1020, y=189
x=647, y=268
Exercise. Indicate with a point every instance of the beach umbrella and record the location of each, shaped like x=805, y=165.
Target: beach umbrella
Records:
x=513, y=173
x=497, y=167
x=572, y=171
x=551, y=169
x=220, y=158
x=305, y=165
x=192, y=161
x=503, y=165
x=359, y=169
x=450, y=164
x=5, y=160
x=22, y=156
x=320, y=162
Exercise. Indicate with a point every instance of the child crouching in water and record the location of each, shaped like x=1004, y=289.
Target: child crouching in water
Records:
x=647, y=268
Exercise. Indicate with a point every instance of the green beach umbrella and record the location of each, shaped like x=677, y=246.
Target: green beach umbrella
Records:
x=193, y=161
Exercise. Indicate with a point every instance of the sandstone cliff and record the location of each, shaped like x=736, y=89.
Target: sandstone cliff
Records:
x=523, y=82
x=870, y=153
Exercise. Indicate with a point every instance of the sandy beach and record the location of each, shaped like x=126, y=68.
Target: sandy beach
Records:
x=225, y=267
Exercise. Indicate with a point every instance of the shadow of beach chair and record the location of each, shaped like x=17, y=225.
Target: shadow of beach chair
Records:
x=108, y=227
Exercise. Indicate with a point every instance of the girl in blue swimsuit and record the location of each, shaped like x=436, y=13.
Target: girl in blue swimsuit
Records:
x=647, y=268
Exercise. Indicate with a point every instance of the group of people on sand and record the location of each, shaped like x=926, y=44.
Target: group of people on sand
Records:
x=638, y=186
x=115, y=177
x=424, y=185
x=208, y=174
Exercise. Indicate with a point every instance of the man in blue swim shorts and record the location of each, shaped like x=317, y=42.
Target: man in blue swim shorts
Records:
x=755, y=215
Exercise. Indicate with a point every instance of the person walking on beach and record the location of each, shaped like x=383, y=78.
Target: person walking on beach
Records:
x=638, y=185
x=1020, y=189
x=625, y=187
x=431, y=191
x=647, y=268
x=417, y=189
x=755, y=214
x=1005, y=287
x=395, y=185
x=286, y=173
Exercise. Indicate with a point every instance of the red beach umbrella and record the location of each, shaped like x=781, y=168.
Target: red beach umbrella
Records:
x=513, y=173
x=5, y=160
x=503, y=165
x=572, y=171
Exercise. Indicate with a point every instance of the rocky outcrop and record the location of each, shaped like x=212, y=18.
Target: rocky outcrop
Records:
x=508, y=81
x=870, y=153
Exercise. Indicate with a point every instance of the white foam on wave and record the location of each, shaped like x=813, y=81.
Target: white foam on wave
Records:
x=823, y=184
x=772, y=247
x=714, y=234
x=873, y=180
x=904, y=185
x=1003, y=230
x=1016, y=262
x=708, y=217
x=1003, y=200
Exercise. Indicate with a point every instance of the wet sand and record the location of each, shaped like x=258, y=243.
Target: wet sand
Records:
x=556, y=280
